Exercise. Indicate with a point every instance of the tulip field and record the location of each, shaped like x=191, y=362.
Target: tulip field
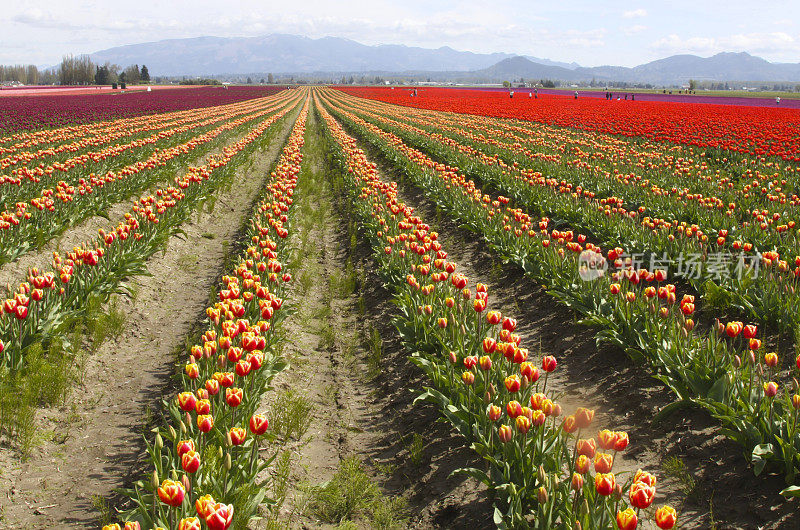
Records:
x=593, y=304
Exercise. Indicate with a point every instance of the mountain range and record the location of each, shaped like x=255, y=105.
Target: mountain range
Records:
x=292, y=54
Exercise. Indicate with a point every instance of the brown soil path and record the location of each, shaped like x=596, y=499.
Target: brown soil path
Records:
x=59, y=485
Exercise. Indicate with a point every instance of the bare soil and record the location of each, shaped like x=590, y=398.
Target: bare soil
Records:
x=97, y=437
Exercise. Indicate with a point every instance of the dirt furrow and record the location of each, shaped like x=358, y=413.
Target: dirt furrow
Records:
x=95, y=441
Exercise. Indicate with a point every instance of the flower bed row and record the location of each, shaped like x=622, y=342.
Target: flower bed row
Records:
x=206, y=464
x=725, y=370
x=539, y=464
x=47, y=301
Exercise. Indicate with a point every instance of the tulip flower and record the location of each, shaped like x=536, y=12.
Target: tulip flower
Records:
x=493, y=412
x=513, y=409
x=190, y=462
x=627, y=520
x=233, y=396
x=604, y=483
x=505, y=433
x=582, y=464
x=621, y=442
x=184, y=446
x=603, y=462
x=205, y=423
x=220, y=517
x=770, y=389
x=189, y=523
x=171, y=493
x=666, y=517
x=641, y=495
x=204, y=505
x=238, y=435
x=584, y=417
x=187, y=401
x=586, y=447
x=549, y=363
x=645, y=477
x=606, y=439
x=569, y=425
x=468, y=378
x=512, y=383
x=259, y=424
x=577, y=481
x=523, y=424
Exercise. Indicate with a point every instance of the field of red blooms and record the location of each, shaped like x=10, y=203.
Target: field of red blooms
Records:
x=55, y=110
x=336, y=311
x=756, y=130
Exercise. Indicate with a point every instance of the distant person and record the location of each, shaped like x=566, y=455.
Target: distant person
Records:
x=530, y=95
x=633, y=97
x=576, y=94
x=536, y=93
x=511, y=94
x=626, y=97
x=777, y=100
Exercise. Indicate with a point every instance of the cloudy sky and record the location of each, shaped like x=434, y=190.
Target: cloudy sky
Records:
x=592, y=32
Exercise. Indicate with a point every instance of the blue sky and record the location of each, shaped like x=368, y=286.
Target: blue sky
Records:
x=590, y=32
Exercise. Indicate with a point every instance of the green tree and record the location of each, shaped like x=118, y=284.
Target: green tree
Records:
x=144, y=75
x=249, y=80
x=270, y=79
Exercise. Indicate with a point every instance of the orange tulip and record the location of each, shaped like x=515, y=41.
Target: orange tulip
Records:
x=259, y=424
x=190, y=462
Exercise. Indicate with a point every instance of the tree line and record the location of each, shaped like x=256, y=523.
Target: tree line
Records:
x=75, y=70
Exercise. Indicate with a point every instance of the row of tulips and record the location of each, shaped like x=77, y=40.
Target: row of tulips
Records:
x=44, y=168
x=724, y=370
x=546, y=469
x=206, y=465
x=57, y=208
x=218, y=460
x=48, y=300
x=709, y=263
x=55, y=110
x=658, y=176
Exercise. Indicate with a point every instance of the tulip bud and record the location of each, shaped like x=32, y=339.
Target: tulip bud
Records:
x=228, y=464
x=172, y=432
x=541, y=495
x=159, y=442
x=154, y=480
x=584, y=511
x=542, y=476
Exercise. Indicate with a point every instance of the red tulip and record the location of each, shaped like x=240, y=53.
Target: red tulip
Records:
x=190, y=461
x=505, y=433
x=259, y=424
x=184, y=446
x=220, y=517
x=549, y=363
x=666, y=517
x=205, y=423
x=627, y=520
x=171, y=493
x=604, y=483
x=237, y=435
x=187, y=401
x=189, y=523
x=641, y=495
x=233, y=396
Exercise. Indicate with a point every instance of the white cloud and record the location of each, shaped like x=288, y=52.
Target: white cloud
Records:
x=634, y=30
x=773, y=44
x=635, y=13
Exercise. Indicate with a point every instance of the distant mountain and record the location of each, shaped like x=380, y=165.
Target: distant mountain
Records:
x=724, y=66
x=333, y=56
x=288, y=54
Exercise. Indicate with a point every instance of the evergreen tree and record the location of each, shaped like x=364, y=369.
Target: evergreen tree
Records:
x=144, y=74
